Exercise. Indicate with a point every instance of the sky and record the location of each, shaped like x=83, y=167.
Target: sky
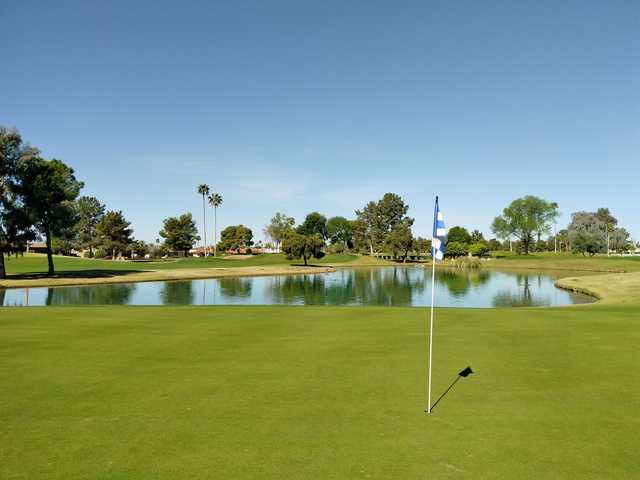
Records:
x=322, y=106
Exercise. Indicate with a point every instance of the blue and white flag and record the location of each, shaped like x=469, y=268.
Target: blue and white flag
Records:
x=439, y=239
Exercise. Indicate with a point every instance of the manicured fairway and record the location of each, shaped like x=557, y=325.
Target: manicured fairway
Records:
x=299, y=393
x=36, y=263
x=30, y=270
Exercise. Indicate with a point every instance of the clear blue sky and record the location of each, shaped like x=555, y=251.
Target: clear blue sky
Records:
x=299, y=106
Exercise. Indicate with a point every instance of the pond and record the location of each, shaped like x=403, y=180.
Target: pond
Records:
x=391, y=286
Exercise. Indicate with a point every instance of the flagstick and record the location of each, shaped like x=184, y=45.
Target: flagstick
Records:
x=433, y=291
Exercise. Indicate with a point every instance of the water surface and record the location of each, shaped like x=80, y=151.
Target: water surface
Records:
x=392, y=286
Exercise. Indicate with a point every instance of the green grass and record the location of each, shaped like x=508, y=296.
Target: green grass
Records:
x=565, y=261
x=38, y=263
x=317, y=392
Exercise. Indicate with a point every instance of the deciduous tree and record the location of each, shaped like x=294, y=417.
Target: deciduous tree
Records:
x=523, y=218
x=479, y=249
x=377, y=219
x=399, y=240
x=340, y=231
x=477, y=236
x=314, y=223
x=296, y=245
x=456, y=249
x=278, y=227
x=421, y=245
x=458, y=234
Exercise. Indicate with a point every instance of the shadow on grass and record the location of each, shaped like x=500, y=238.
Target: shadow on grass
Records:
x=310, y=265
x=73, y=274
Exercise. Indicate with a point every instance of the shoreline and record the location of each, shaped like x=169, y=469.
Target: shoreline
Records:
x=167, y=275
x=609, y=289
x=605, y=285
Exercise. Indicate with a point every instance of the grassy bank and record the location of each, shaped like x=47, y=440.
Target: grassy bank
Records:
x=36, y=263
x=29, y=270
x=612, y=288
x=286, y=392
x=564, y=261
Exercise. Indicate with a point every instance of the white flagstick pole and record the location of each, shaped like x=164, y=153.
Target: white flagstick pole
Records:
x=433, y=291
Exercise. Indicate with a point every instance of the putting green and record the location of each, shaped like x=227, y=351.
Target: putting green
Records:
x=317, y=392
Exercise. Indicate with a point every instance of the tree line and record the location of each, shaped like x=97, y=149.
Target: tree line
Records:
x=40, y=198
x=527, y=219
x=383, y=227
x=380, y=226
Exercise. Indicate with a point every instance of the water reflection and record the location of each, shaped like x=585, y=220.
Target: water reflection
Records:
x=530, y=293
x=178, y=293
x=395, y=287
x=114, y=294
x=389, y=286
x=459, y=283
x=235, y=287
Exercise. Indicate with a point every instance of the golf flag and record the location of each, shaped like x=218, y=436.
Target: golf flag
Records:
x=438, y=242
x=439, y=238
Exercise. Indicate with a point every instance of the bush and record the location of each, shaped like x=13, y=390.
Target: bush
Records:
x=99, y=253
x=467, y=262
x=336, y=248
x=479, y=249
x=456, y=249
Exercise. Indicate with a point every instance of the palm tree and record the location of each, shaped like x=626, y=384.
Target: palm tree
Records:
x=215, y=200
x=203, y=190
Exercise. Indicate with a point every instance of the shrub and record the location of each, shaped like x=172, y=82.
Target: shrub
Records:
x=479, y=249
x=336, y=248
x=456, y=249
x=467, y=262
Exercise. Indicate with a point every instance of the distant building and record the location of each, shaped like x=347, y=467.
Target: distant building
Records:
x=36, y=247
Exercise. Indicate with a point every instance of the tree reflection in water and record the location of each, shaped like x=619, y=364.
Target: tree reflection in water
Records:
x=112, y=294
x=235, y=287
x=524, y=297
x=391, y=286
x=298, y=289
x=459, y=282
x=177, y=293
x=396, y=286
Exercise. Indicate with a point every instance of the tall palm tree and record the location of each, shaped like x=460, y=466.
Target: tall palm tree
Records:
x=203, y=190
x=215, y=200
